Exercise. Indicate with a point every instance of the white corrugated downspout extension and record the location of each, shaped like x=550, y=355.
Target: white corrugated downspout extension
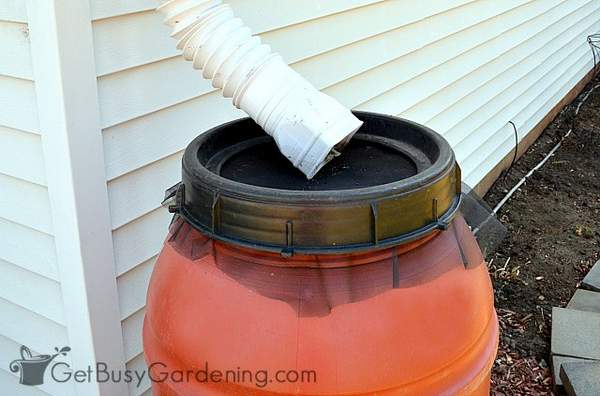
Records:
x=308, y=126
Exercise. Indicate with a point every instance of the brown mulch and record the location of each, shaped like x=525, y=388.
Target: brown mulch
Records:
x=515, y=374
x=553, y=239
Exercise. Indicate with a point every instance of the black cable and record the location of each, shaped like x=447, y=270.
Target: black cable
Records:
x=594, y=42
x=514, y=161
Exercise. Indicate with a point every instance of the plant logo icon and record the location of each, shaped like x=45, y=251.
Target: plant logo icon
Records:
x=32, y=368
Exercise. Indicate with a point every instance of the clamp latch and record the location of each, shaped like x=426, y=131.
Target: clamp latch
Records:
x=173, y=198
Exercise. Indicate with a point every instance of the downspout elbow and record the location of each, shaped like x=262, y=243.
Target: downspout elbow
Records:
x=309, y=127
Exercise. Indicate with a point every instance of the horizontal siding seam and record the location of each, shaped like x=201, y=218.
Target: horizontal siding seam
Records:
x=569, y=84
x=503, y=54
x=12, y=221
x=210, y=91
x=403, y=26
x=20, y=148
x=36, y=134
x=475, y=89
x=311, y=19
x=39, y=315
x=464, y=52
x=516, y=83
x=169, y=107
x=413, y=51
x=28, y=226
x=53, y=280
x=162, y=58
x=19, y=78
x=42, y=201
x=543, y=78
x=16, y=379
x=129, y=270
x=13, y=20
x=481, y=66
x=491, y=137
x=146, y=257
x=136, y=356
x=129, y=172
x=124, y=287
x=22, y=101
x=130, y=315
x=13, y=11
x=130, y=355
x=35, y=314
x=26, y=180
x=123, y=14
x=152, y=9
x=20, y=305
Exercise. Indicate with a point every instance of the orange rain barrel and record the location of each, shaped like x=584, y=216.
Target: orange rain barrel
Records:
x=365, y=280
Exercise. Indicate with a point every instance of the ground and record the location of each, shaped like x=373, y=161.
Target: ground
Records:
x=553, y=239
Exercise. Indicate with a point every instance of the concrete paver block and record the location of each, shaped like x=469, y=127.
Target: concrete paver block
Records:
x=592, y=279
x=575, y=333
x=581, y=378
x=585, y=300
x=558, y=360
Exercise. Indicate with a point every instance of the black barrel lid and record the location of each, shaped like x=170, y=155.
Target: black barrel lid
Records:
x=396, y=181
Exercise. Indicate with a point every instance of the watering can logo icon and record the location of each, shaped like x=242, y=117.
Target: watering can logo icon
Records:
x=32, y=368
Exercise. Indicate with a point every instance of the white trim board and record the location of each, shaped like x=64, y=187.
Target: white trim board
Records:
x=65, y=82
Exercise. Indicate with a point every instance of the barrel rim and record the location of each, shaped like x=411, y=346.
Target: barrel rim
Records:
x=217, y=206
x=202, y=177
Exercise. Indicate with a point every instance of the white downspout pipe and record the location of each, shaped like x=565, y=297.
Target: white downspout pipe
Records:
x=308, y=126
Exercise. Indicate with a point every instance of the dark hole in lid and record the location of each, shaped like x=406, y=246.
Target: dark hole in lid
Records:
x=365, y=162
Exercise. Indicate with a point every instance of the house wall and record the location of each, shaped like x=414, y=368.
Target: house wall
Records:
x=30, y=290
x=465, y=68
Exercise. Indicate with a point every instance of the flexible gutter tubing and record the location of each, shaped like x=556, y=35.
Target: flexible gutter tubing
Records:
x=308, y=126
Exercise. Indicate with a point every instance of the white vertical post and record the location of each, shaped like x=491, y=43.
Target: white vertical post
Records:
x=66, y=88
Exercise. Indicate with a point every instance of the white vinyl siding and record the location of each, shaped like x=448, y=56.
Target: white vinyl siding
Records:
x=132, y=287
x=18, y=104
x=13, y=11
x=29, y=249
x=16, y=57
x=27, y=289
x=21, y=156
x=25, y=203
